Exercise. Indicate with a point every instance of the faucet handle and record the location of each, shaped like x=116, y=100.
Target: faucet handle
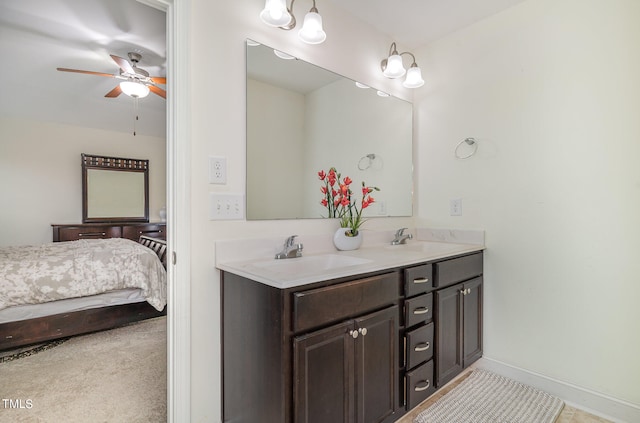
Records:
x=289, y=242
x=400, y=232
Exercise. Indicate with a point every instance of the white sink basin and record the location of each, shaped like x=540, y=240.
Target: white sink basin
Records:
x=309, y=264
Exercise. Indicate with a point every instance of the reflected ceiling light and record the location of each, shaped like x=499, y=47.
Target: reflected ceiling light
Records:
x=276, y=13
x=283, y=55
x=393, y=68
x=134, y=89
x=382, y=93
x=361, y=85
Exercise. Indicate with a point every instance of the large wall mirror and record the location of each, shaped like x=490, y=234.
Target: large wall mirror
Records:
x=302, y=119
x=114, y=189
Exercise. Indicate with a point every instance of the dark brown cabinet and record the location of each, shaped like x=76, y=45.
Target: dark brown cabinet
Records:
x=131, y=231
x=363, y=349
x=347, y=373
x=458, y=329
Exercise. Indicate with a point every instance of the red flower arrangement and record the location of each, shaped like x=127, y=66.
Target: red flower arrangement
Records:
x=339, y=200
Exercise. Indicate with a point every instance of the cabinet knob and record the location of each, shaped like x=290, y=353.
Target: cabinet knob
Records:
x=353, y=333
x=465, y=291
x=363, y=331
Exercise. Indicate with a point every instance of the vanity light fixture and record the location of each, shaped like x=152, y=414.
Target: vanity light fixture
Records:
x=393, y=68
x=134, y=89
x=277, y=14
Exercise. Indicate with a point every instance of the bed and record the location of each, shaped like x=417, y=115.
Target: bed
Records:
x=62, y=289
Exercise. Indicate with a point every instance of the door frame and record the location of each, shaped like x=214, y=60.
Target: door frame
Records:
x=178, y=219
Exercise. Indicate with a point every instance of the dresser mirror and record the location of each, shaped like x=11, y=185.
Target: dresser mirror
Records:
x=114, y=189
x=302, y=119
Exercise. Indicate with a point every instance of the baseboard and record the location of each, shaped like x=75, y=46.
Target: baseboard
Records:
x=610, y=408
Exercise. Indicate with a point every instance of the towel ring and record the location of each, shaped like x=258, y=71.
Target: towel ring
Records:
x=368, y=159
x=470, y=142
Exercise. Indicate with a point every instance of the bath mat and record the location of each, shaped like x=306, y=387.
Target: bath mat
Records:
x=486, y=397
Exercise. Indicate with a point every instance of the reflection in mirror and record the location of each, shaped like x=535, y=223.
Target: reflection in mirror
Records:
x=114, y=189
x=302, y=119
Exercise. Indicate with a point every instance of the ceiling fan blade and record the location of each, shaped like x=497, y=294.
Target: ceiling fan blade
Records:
x=123, y=64
x=159, y=91
x=87, y=72
x=159, y=80
x=114, y=92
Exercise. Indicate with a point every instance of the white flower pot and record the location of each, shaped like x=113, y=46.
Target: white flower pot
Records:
x=346, y=243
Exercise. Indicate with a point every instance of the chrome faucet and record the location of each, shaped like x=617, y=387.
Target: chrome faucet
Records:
x=401, y=237
x=290, y=249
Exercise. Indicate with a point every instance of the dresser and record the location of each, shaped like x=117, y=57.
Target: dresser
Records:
x=130, y=230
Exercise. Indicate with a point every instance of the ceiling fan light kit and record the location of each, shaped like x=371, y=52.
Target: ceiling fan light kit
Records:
x=277, y=14
x=136, y=81
x=392, y=67
x=134, y=89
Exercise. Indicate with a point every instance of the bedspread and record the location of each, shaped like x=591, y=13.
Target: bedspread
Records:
x=49, y=272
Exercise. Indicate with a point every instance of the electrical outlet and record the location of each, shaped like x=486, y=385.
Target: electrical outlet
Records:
x=223, y=206
x=217, y=170
x=455, y=207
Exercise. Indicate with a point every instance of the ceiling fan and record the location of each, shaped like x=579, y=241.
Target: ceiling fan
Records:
x=136, y=81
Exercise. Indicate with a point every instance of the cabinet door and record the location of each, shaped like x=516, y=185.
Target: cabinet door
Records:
x=376, y=372
x=472, y=321
x=323, y=386
x=448, y=334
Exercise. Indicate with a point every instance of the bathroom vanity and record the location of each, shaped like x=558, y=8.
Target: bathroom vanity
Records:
x=360, y=336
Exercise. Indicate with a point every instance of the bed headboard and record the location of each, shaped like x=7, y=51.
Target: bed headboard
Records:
x=159, y=246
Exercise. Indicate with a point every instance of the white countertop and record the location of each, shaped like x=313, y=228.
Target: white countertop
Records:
x=325, y=265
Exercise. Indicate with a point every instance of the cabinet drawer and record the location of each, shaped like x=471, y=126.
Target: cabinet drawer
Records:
x=418, y=280
x=88, y=232
x=420, y=384
x=320, y=306
x=456, y=270
x=418, y=309
x=419, y=345
x=152, y=230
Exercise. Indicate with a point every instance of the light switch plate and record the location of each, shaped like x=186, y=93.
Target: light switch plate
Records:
x=225, y=206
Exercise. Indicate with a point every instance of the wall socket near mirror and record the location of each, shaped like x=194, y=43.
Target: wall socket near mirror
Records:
x=455, y=207
x=217, y=170
x=225, y=206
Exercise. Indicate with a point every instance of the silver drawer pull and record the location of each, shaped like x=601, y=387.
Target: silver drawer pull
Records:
x=422, y=386
x=92, y=234
x=421, y=310
x=422, y=347
x=421, y=280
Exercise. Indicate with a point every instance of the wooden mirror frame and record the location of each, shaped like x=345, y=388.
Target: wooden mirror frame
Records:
x=116, y=164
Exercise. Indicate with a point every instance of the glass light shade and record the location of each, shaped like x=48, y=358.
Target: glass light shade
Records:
x=414, y=78
x=394, y=68
x=134, y=89
x=311, y=31
x=275, y=13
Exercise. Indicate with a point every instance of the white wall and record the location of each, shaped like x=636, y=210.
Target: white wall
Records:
x=217, y=107
x=278, y=115
x=551, y=90
x=41, y=178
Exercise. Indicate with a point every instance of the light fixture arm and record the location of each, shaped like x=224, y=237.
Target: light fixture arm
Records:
x=392, y=67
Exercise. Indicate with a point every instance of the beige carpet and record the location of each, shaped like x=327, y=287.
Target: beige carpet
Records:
x=113, y=376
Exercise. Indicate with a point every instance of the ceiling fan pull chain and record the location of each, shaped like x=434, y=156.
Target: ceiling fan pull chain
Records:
x=135, y=112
